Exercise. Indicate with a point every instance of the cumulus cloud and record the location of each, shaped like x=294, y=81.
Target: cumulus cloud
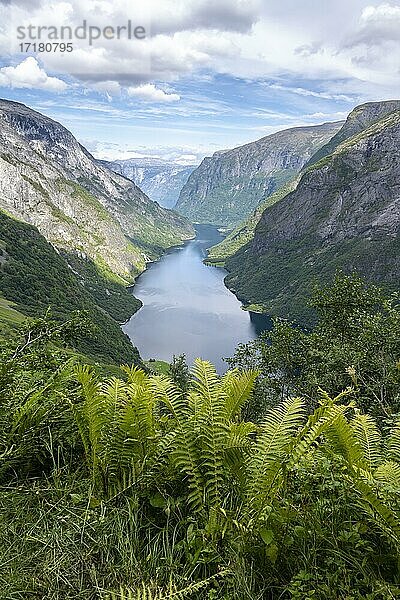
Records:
x=28, y=74
x=379, y=24
x=347, y=48
x=150, y=93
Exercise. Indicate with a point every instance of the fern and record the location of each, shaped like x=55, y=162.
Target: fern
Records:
x=388, y=473
x=213, y=427
x=381, y=514
x=270, y=450
x=394, y=442
x=369, y=439
x=147, y=592
x=185, y=451
x=238, y=388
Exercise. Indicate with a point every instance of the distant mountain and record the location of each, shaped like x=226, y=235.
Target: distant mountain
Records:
x=161, y=181
x=49, y=180
x=343, y=214
x=228, y=186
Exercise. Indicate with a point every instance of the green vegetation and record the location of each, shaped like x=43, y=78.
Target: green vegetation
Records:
x=244, y=232
x=279, y=280
x=231, y=200
x=355, y=341
x=10, y=318
x=8, y=312
x=253, y=485
x=35, y=278
x=157, y=367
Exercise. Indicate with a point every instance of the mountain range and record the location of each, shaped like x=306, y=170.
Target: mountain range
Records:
x=226, y=187
x=342, y=214
x=73, y=234
x=160, y=180
x=50, y=180
x=300, y=204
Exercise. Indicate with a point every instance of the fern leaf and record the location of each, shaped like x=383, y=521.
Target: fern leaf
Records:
x=238, y=388
x=270, y=449
x=369, y=438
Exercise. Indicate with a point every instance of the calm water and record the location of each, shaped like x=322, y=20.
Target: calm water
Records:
x=187, y=309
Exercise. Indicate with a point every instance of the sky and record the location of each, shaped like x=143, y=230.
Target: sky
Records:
x=206, y=74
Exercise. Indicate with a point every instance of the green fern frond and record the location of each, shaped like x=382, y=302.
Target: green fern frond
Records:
x=394, y=443
x=369, y=438
x=204, y=379
x=238, y=389
x=134, y=374
x=166, y=392
x=388, y=473
x=270, y=449
x=148, y=592
x=185, y=456
x=381, y=514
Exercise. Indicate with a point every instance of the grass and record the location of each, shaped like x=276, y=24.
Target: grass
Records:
x=9, y=314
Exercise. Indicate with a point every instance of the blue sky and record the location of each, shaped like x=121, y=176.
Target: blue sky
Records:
x=209, y=75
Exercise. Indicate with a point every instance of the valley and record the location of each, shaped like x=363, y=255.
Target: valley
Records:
x=201, y=402
x=188, y=305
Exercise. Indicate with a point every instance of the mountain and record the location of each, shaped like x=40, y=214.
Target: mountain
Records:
x=161, y=181
x=358, y=120
x=343, y=214
x=49, y=180
x=228, y=186
x=244, y=232
x=35, y=277
x=72, y=233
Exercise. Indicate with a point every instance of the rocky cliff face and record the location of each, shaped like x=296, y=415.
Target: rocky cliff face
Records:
x=358, y=120
x=161, y=181
x=344, y=213
x=225, y=188
x=49, y=180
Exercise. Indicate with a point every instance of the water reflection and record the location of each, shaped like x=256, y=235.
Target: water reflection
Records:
x=187, y=309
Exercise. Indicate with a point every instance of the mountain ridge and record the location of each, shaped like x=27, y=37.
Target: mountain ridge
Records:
x=160, y=180
x=228, y=186
x=50, y=180
x=344, y=214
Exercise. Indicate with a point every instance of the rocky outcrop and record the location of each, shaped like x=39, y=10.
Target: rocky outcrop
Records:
x=160, y=180
x=228, y=186
x=344, y=213
x=359, y=119
x=49, y=180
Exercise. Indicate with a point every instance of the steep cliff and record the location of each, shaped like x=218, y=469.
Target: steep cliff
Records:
x=228, y=186
x=358, y=120
x=49, y=180
x=160, y=180
x=344, y=213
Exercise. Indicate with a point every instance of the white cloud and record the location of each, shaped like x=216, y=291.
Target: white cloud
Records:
x=28, y=74
x=304, y=92
x=349, y=48
x=180, y=155
x=150, y=93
